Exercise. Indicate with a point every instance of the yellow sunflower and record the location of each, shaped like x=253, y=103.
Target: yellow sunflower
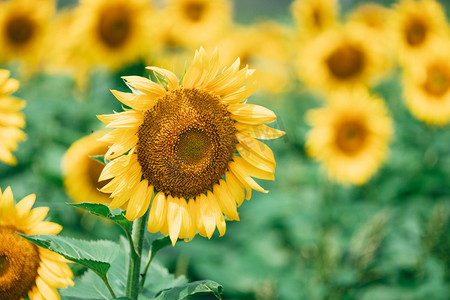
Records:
x=180, y=139
x=11, y=119
x=26, y=269
x=343, y=57
x=374, y=17
x=416, y=26
x=263, y=46
x=350, y=135
x=427, y=86
x=81, y=172
x=197, y=22
x=23, y=29
x=315, y=16
x=114, y=32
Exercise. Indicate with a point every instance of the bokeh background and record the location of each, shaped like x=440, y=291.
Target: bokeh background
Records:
x=309, y=237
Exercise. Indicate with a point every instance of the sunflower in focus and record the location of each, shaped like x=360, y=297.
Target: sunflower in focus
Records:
x=26, y=269
x=196, y=22
x=315, y=16
x=344, y=57
x=81, y=172
x=350, y=135
x=193, y=143
x=114, y=32
x=23, y=29
x=427, y=86
x=11, y=119
x=416, y=27
x=264, y=47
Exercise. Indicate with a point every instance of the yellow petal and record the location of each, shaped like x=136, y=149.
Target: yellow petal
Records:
x=226, y=202
x=24, y=206
x=206, y=217
x=174, y=218
x=259, y=131
x=242, y=175
x=240, y=95
x=171, y=78
x=251, y=114
x=253, y=170
x=138, y=201
x=47, y=290
x=235, y=188
x=256, y=147
x=158, y=213
x=145, y=85
x=45, y=228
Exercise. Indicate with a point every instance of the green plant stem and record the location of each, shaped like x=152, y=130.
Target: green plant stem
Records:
x=137, y=240
x=144, y=274
x=105, y=280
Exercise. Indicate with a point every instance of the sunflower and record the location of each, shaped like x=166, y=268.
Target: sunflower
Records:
x=180, y=139
x=26, y=269
x=23, y=28
x=343, y=57
x=195, y=22
x=374, y=17
x=416, y=26
x=427, y=86
x=315, y=16
x=81, y=172
x=11, y=119
x=264, y=47
x=350, y=135
x=114, y=32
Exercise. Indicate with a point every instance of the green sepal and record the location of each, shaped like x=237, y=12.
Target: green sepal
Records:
x=102, y=210
x=100, y=159
x=190, y=289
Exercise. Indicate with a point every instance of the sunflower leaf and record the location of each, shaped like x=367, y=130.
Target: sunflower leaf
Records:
x=103, y=211
x=190, y=289
x=95, y=255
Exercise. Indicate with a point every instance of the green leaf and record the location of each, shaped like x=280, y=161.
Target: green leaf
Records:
x=99, y=158
x=102, y=210
x=95, y=255
x=190, y=289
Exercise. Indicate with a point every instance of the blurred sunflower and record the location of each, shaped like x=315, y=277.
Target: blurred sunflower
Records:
x=23, y=28
x=427, y=86
x=416, y=26
x=374, y=17
x=180, y=139
x=343, y=57
x=11, y=119
x=350, y=135
x=197, y=22
x=81, y=172
x=315, y=16
x=264, y=47
x=114, y=32
x=26, y=269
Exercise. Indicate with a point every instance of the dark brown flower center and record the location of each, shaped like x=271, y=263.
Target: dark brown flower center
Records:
x=415, y=32
x=345, y=62
x=194, y=11
x=437, y=81
x=19, y=262
x=317, y=17
x=114, y=26
x=351, y=136
x=185, y=143
x=19, y=30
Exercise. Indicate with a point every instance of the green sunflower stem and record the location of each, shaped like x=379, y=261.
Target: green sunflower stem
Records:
x=134, y=269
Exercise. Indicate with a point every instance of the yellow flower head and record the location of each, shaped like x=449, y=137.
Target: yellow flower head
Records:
x=11, y=119
x=263, y=46
x=195, y=22
x=416, y=26
x=315, y=16
x=193, y=142
x=350, y=135
x=81, y=172
x=374, y=17
x=23, y=29
x=114, y=32
x=427, y=86
x=40, y=271
x=344, y=57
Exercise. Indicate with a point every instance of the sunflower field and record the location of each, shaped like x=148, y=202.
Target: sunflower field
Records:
x=314, y=135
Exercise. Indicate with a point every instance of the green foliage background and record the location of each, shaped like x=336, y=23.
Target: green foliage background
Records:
x=307, y=238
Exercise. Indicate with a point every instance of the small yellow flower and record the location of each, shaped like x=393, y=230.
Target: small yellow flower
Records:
x=193, y=142
x=197, y=22
x=342, y=58
x=23, y=29
x=81, y=172
x=416, y=27
x=315, y=16
x=350, y=135
x=427, y=86
x=41, y=271
x=11, y=119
